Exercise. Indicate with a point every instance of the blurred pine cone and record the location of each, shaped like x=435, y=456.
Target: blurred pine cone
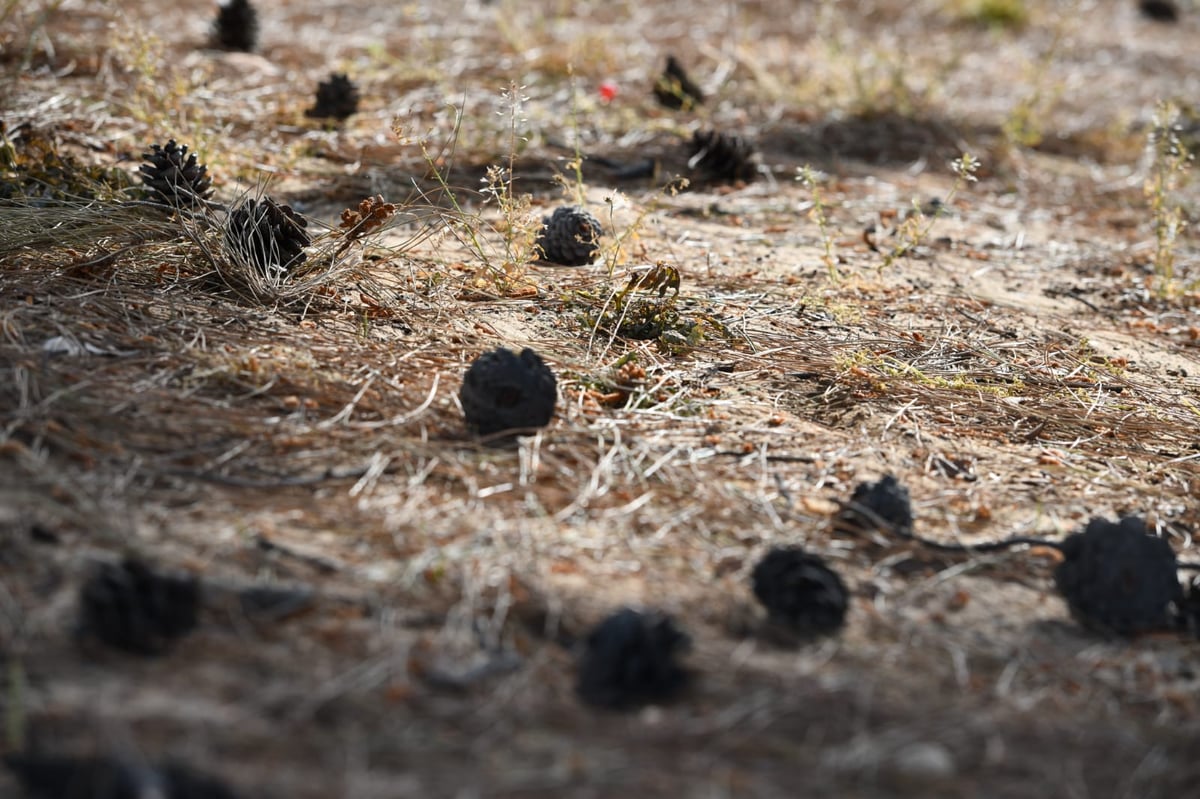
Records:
x=133, y=608
x=1119, y=579
x=630, y=661
x=337, y=98
x=675, y=90
x=570, y=237
x=49, y=777
x=268, y=235
x=883, y=505
x=800, y=592
x=1159, y=10
x=503, y=391
x=236, y=26
x=721, y=157
x=175, y=176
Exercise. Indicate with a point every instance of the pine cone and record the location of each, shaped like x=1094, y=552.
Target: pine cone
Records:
x=1159, y=10
x=675, y=90
x=175, y=176
x=883, y=505
x=721, y=157
x=1117, y=578
x=1188, y=608
x=45, y=777
x=268, y=235
x=503, y=391
x=236, y=26
x=337, y=98
x=132, y=608
x=629, y=661
x=570, y=237
x=800, y=592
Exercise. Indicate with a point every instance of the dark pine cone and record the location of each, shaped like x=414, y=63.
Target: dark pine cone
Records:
x=1159, y=10
x=105, y=778
x=267, y=234
x=882, y=505
x=236, y=26
x=1117, y=578
x=800, y=592
x=137, y=610
x=630, y=661
x=1189, y=608
x=503, y=391
x=720, y=157
x=570, y=237
x=174, y=175
x=675, y=90
x=337, y=98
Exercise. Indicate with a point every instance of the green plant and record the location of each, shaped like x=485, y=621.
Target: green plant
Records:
x=1023, y=127
x=818, y=213
x=917, y=224
x=1169, y=164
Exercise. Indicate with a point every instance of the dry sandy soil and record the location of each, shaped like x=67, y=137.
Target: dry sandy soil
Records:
x=1022, y=361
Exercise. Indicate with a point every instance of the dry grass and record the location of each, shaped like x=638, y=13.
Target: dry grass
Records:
x=1020, y=366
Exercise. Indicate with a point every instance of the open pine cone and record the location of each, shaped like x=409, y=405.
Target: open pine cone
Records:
x=570, y=237
x=675, y=90
x=337, y=98
x=236, y=26
x=268, y=235
x=505, y=391
x=630, y=661
x=136, y=609
x=175, y=176
x=800, y=592
x=1119, y=579
x=722, y=157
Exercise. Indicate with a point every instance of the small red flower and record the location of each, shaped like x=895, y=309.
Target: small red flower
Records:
x=608, y=91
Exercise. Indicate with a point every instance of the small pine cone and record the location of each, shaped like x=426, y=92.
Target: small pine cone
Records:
x=268, y=235
x=721, y=157
x=800, y=592
x=1118, y=579
x=337, y=98
x=503, y=391
x=629, y=661
x=883, y=505
x=1188, y=608
x=49, y=777
x=570, y=237
x=175, y=176
x=132, y=608
x=675, y=90
x=236, y=26
x=1166, y=11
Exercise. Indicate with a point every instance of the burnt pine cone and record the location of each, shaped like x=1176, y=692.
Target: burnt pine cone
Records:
x=50, y=777
x=267, y=234
x=503, y=391
x=1118, y=579
x=877, y=506
x=132, y=608
x=337, y=98
x=630, y=661
x=800, y=592
x=675, y=90
x=570, y=237
x=175, y=176
x=722, y=157
x=236, y=26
